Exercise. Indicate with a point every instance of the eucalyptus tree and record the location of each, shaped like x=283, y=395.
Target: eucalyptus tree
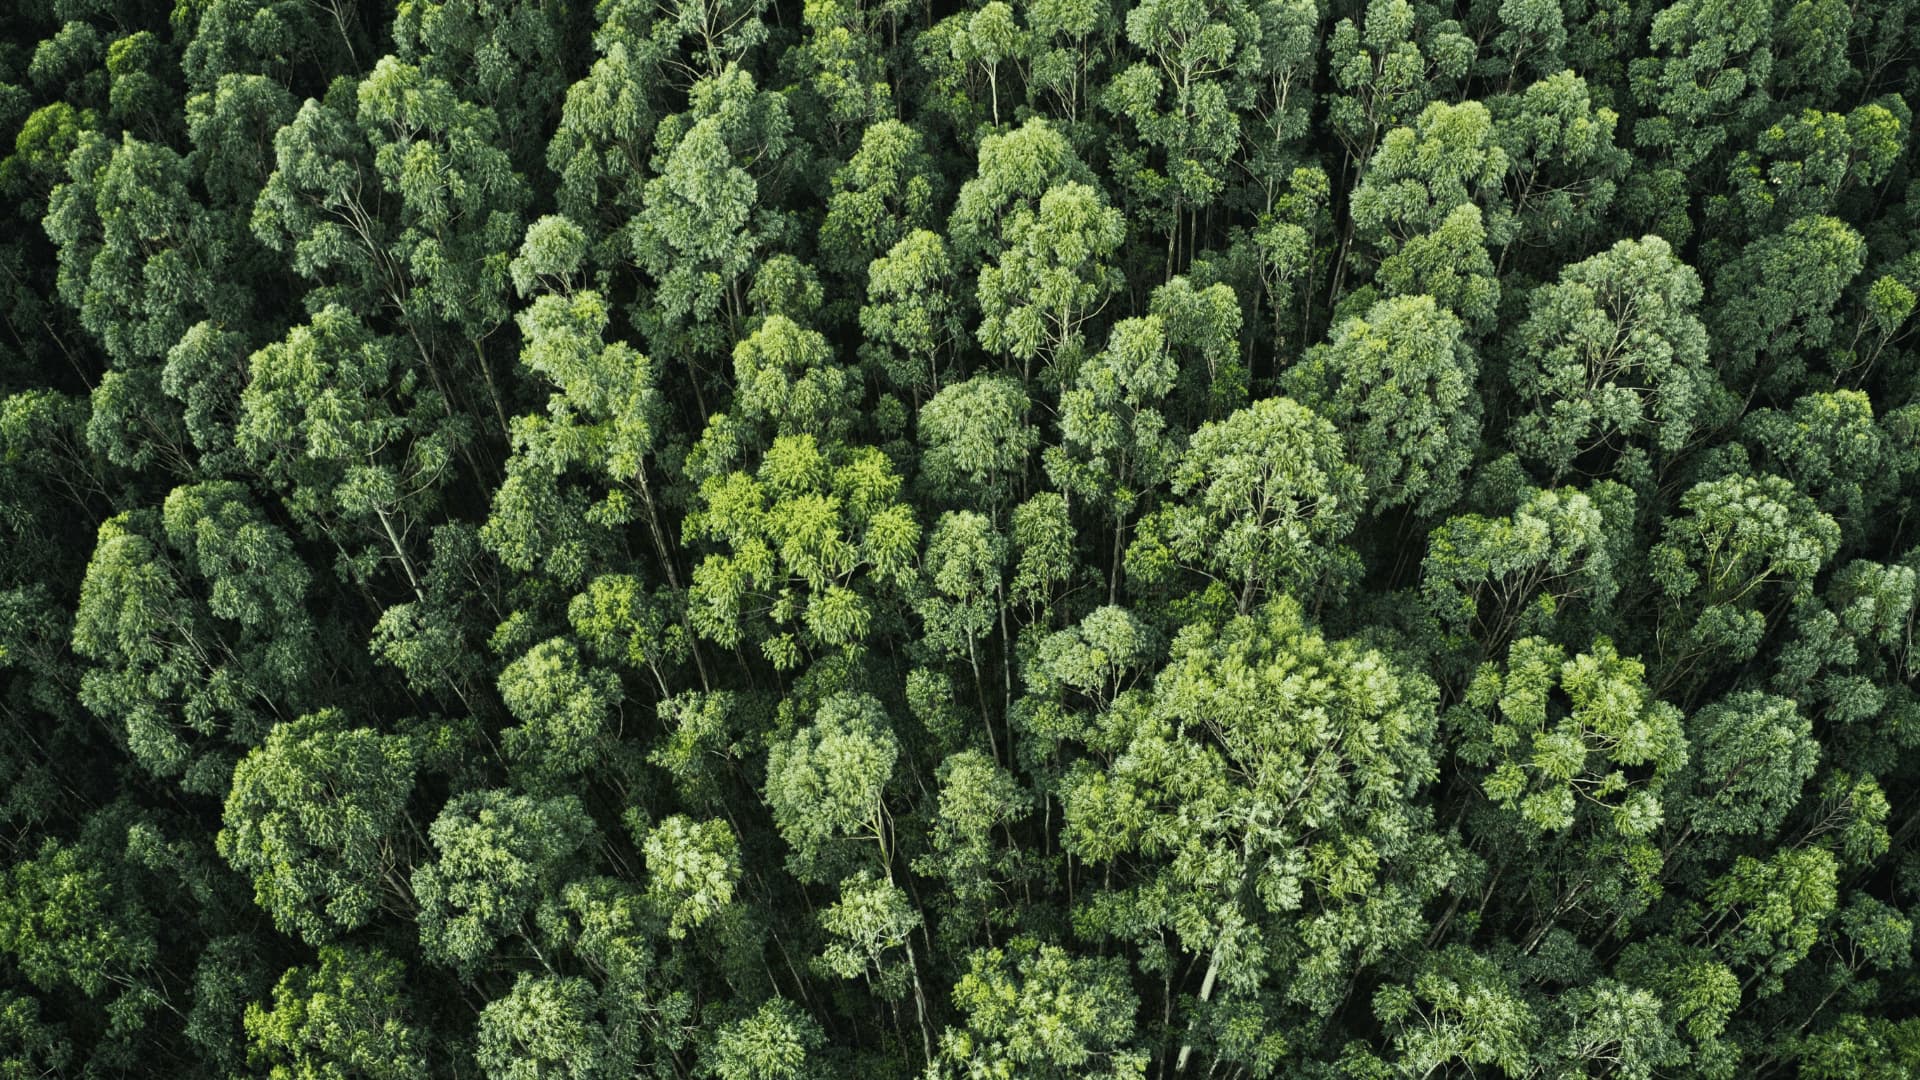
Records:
x=1261, y=813
x=194, y=623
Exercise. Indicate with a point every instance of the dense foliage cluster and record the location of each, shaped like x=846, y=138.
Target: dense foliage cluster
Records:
x=1109, y=539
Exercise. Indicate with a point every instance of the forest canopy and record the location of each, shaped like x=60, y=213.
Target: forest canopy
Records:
x=1001, y=540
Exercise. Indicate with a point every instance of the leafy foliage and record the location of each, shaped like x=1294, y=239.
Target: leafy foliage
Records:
x=786, y=539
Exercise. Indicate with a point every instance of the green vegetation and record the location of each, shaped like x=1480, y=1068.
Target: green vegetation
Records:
x=989, y=540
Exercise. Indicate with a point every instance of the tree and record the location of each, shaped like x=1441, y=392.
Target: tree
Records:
x=1554, y=767
x=910, y=319
x=965, y=561
x=872, y=918
x=1766, y=914
x=564, y=707
x=1753, y=753
x=887, y=190
x=1066, y=41
x=30, y=1046
x=599, y=148
x=194, y=619
x=67, y=919
x=1828, y=445
x=337, y=419
x=545, y=1026
x=1115, y=448
x=1585, y=767
x=1612, y=358
x=785, y=379
x=1042, y=1012
x=827, y=784
x=1399, y=385
x=1014, y=170
x=702, y=221
x=273, y=38
x=1386, y=68
x=849, y=82
x=1732, y=538
x=497, y=854
x=1775, y=299
x=140, y=259
x=1179, y=100
x=1418, y=205
x=394, y=194
x=1054, y=274
x=693, y=869
x=813, y=541
x=1707, y=75
x=977, y=796
x=1545, y=568
x=1563, y=166
x=976, y=442
x=316, y=818
x=227, y=124
x=1261, y=813
x=505, y=57
x=772, y=1044
x=349, y=1016
x=1804, y=164
x=1203, y=329
x=1461, y=1007
x=1267, y=495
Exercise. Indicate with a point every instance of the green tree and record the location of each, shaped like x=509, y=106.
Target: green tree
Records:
x=813, y=541
x=1054, y=275
x=393, y=194
x=1260, y=813
x=351, y=1016
x=704, y=217
x=1612, y=362
x=887, y=190
x=316, y=817
x=565, y=708
x=1776, y=299
x=693, y=870
x=910, y=320
x=195, y=622
x=1266, y=496
x=965, y=563
x=335, y=416
x=1564, y=168
x=977, y=797
x=1399, y=384
x=827, y=784
x=1545, y=568
x=976, y=442
x=1730, y=540
x=1460, y=1007
x=1419, y=207
x=1042, y=1012
x=546, y=1026
x=1179, y=101
x=497, y=853
x=774, y=1043
x=1115, y=447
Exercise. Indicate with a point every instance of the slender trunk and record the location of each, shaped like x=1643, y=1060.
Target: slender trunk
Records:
x=493, y=392
x=406, y=564
x=980, y=694
x=1219, y=955
x=920, y=1005
x=661, y=550
x=1206, y=994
